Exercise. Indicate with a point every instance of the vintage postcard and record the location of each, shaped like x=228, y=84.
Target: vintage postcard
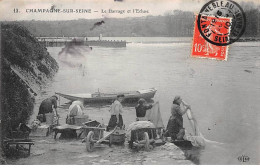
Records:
x=130, y=82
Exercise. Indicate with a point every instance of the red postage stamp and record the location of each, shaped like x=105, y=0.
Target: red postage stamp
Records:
x=210, y=37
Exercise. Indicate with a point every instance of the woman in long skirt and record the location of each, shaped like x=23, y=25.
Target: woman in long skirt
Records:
x=116, y=113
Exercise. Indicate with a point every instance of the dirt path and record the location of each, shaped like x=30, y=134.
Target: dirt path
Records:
x=49, y=151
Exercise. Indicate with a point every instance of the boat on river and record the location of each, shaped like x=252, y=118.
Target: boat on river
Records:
x=110, y=97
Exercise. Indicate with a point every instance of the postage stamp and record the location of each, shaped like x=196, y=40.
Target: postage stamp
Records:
x=201, y=47
x=218, y=27
x=219, y=24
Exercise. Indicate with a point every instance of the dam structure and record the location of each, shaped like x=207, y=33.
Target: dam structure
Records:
x=62, y=41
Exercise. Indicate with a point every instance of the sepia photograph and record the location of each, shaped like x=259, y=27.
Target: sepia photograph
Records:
x=129, y=82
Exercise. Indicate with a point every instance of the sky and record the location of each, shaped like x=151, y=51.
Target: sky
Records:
x=11, y=10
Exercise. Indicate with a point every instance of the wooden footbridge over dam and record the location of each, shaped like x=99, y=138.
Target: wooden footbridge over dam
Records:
x=62, y=41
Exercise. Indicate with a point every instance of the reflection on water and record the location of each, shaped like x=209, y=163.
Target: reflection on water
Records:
x=224, y=95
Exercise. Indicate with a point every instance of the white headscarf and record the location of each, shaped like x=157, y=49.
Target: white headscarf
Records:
x=76, y=108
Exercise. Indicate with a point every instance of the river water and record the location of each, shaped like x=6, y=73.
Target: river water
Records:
x=224, y=95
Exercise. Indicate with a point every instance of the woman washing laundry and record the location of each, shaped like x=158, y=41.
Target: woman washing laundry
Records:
x=48, y=105
x=141, y=110
x=175, y=124
x=75, y=109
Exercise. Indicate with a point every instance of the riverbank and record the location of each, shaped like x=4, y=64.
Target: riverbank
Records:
x=73, y=152
x=48, y=151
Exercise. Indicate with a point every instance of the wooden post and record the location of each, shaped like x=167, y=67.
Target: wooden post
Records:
x=29, y=151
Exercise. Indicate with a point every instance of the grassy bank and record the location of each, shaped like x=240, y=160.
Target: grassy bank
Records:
x=25, y=67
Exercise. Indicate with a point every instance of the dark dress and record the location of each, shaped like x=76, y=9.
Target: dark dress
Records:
x=46, y=107
x=116, y=108
x=141, y=110
x=112, y=122
x=174, y=126
x=175, y=123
